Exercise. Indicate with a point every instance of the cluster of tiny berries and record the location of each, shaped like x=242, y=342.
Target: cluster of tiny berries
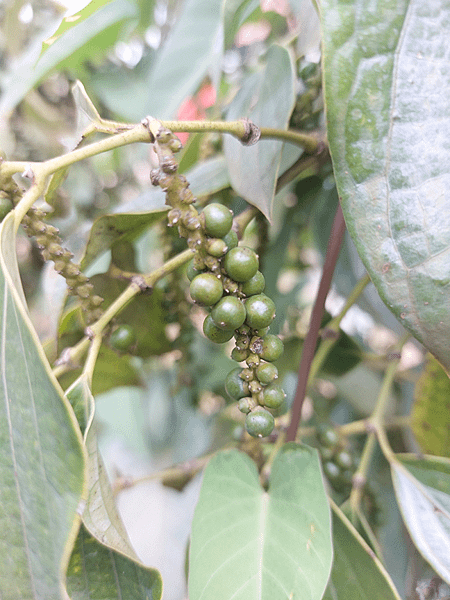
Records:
x=226, y=280
x=229, y=283
x=49, y=243
x=338, y=463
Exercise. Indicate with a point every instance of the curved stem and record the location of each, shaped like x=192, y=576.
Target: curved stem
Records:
x=334, y=246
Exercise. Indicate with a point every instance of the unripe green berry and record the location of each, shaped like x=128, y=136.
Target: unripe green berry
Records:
x=272, y=348
x=241, y=263
x=327, y=435
x=218, y=220
x=191, y=271
x=228, y=313
x=255, y=285
x=260, y=311
x=344, y=460
x=213, y=333
x=259, y=422
x=266, y=373
x=206, y=289
x=236, y=387
x=331, y=471
x=246, y=405
x=216, y=247
x=122, y=338
x=5, y=207
x=239, y=354
x=231, y=239
x=273, y=396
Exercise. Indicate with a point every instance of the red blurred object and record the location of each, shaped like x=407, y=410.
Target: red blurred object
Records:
x=193, y=108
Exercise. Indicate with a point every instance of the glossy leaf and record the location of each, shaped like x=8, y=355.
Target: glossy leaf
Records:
x=89, y=39
x=193, y=48
x=110, y=229
x=248, y=543
x=267, y=99
x=422, y=488
x=42, y=461
x=388, y=130
x=430, y=417
x=95, y=571
x=356, y=572
x=73, y=20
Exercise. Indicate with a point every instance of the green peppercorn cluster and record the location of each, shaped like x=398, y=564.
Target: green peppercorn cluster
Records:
x=225, y=278
x=338, y=463
x=49, y=243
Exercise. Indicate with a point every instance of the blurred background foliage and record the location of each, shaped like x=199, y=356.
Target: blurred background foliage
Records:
x=164, y=401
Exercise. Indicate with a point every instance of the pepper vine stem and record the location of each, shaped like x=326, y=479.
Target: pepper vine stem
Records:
x=334, y=246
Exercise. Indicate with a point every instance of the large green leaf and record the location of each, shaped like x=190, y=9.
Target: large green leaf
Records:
x=430, y=416
x=385, y=69
x=266, y=98
x=88, y=40
x=193, y=48
x=422, y=487
x=247, y=543
x=95, y=571
x=356, y=574
x=41, y=457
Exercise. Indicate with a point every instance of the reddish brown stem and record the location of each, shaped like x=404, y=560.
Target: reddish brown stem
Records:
x=309, y=347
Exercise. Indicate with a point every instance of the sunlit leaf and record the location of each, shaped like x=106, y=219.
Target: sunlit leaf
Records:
x=247, y=543
x=89, y=40
x=388, y=130
x=422, y=488
x=41, y=458
x=430, y=417
x=356, y=572
x=73, y=20
x=267, y=99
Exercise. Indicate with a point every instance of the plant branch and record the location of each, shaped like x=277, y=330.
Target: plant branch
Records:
x=334, y=246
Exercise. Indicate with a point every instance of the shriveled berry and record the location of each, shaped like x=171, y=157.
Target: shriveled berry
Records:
x=272, y=348
x=266, y=373
x=235, y=387
x=273, y=396
x=241, y=263
x=231, y=239
x=259, y=422
x=255, y=285
x=214, y=333
x=218, y=220
x=122, y=338
x=228, y=313
x=206, y=289
x=245, y=405
x=260, y=311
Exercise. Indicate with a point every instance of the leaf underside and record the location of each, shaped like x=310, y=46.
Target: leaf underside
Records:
x=386, y=66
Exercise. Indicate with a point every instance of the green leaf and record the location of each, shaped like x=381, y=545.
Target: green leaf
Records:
x=357, y=574
x=41, y=461
x=193, y=48
x=388, y=128
x=209, y=176
x=72, y=21
x=248, y=543
x=110, y=229
x=87, y=41
x=430, y=416
x=95, y=571
x=422, y=488
x=267, y=99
